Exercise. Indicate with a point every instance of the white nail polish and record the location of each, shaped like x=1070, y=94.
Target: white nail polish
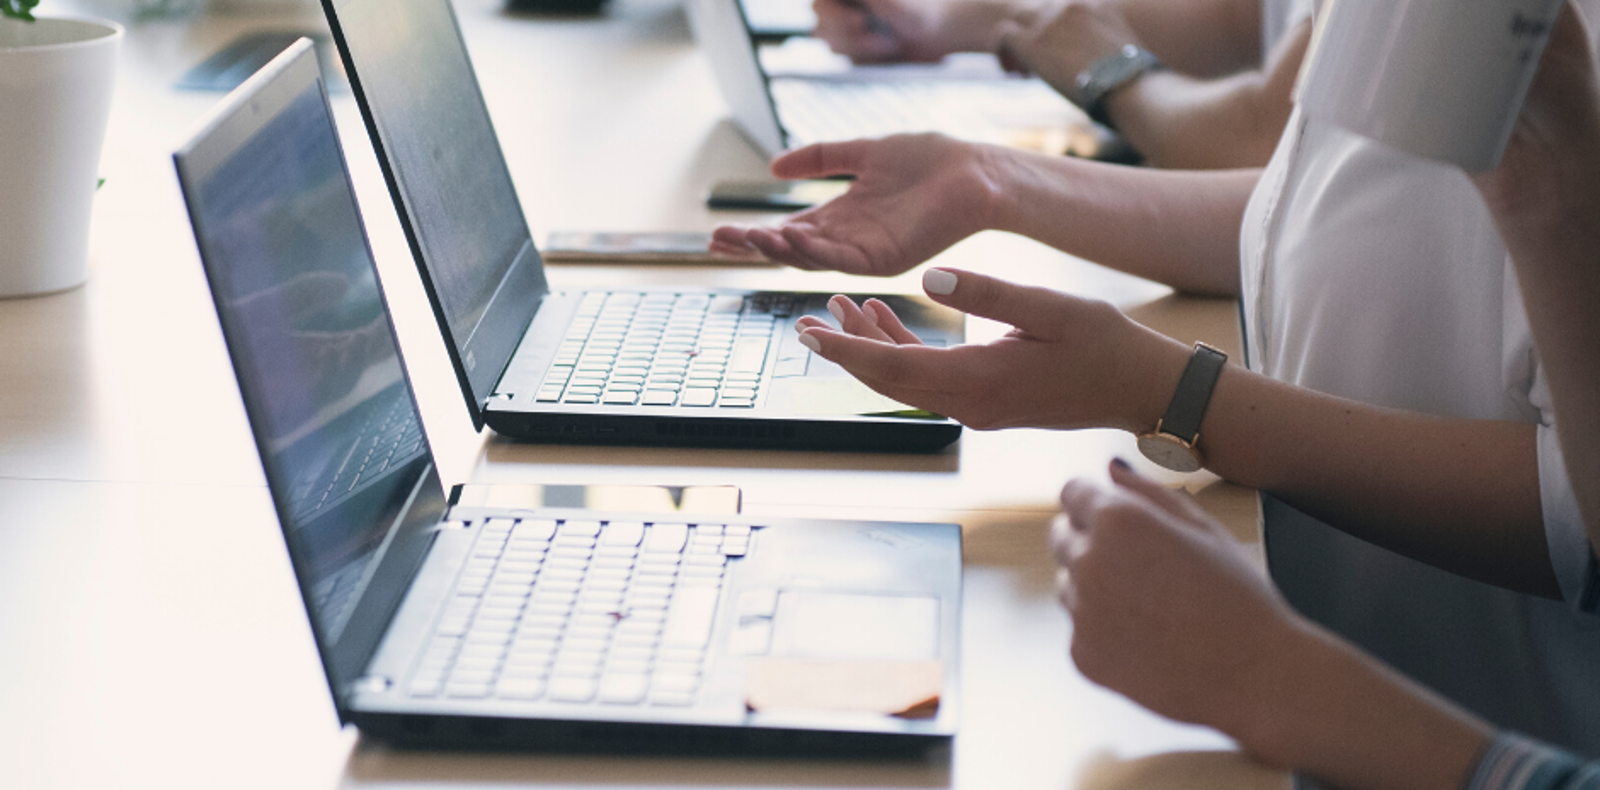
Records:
x=939, y=281
x=810, y=341
x=836, y=310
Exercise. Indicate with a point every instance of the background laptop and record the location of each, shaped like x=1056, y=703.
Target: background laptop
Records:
x=648, y=372
x=800, y=106
x=553, y=629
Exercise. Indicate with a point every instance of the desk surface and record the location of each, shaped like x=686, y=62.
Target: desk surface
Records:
x=150, y=633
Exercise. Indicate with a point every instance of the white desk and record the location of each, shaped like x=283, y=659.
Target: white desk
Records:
x=150, y=631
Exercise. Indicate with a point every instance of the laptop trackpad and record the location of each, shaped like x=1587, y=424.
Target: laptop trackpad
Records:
x=855, y=626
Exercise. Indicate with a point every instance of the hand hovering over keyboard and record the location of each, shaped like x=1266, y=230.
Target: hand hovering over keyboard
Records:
x=877, y=31
x=1068, y=363
x=913, y=197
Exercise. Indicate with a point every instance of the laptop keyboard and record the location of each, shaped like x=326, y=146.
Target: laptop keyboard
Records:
x=577, y=611
x=821, y=111
x=692, y=350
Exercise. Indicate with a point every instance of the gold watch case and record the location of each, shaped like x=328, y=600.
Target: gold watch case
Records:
x=1171, y=452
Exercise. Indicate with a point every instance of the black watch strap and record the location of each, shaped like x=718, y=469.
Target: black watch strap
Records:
x=1189, y=402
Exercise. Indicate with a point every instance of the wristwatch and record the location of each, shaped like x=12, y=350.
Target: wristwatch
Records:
x=1108, y=73
x=1173, y=442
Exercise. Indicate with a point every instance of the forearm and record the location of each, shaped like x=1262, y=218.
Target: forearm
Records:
x=1202, y=38
x=1178, y=121
x=1458, y=494
x=1178, y=228
x=1556, y=253
x=1324, y=709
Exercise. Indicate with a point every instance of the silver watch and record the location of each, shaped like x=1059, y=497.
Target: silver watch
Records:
x=1108, y=73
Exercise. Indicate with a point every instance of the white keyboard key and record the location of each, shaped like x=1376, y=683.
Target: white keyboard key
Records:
x=572, y=689
x=622, y=533
x=676, y=684
x=522, y=688
x=691, y=618
x=585, y=528
x=623, y=689
x=667, y=538
x=534, y=530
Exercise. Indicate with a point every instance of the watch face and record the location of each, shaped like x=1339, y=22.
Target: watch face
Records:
x=1169, y=452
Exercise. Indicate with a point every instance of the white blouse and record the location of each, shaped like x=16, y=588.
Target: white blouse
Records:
x=1376, y=276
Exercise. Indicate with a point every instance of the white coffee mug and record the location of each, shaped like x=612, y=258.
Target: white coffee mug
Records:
x=56, y=77
x=1443, y=79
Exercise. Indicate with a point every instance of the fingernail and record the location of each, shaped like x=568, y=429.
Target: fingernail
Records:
x=939, y=281
x=810, y=341
x=833, y=307
x=1121, y=464
x=871, y=311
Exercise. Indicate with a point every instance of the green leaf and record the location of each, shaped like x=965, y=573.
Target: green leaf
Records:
x=18, y=9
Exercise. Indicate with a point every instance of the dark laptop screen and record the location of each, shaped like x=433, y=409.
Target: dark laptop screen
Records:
x=411, y=74
x=312, y=348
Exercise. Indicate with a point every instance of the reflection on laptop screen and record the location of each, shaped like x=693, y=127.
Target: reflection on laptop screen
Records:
x=313, y=349
x=468, y=221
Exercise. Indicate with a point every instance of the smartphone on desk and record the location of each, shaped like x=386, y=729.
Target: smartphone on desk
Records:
x=774, y=195
x=585, y=246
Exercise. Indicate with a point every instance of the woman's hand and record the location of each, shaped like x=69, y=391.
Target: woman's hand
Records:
x=1166, y=607
x=1068, y=363
x=913, y=197
x=879, y=31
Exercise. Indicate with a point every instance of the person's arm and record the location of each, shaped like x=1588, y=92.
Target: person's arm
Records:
x=1218, y=104
x=883, y=31
x=916, y=195
x=1459, y=494
x=1167, y=609
x=1545, y=198
x=1178, y=121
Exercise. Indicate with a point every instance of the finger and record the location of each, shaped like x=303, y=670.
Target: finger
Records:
x=911, y=374
x=1010, y=50
x=908, y=367
x=853, y=320
x=1066, y=590
x=1033, y=310
x=732, y=241
x=883, y=316
x=1064, y=544
x=822, y=160
x=773, y=245
x=824, y=253
x=1177, y=504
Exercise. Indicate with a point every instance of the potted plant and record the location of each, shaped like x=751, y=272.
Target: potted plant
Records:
x=56, y=76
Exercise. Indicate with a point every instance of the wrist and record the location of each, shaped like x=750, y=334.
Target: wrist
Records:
x=1267, y=712
x=1150, y=381
x=1321, y=707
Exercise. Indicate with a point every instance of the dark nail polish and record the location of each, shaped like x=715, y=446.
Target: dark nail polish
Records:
x=1121, y=464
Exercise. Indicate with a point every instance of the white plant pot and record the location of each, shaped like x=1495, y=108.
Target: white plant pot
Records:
x=56, y=76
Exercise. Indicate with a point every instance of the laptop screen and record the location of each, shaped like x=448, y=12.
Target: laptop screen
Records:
x=310, y=339
x=410, y=72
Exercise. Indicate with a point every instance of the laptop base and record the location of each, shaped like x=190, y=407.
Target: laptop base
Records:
x=424, y=731
x=901, y=436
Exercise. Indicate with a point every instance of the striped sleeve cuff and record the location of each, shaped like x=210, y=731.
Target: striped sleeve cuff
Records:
x=1513, y=762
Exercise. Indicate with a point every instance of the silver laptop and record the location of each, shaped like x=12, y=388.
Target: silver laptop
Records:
x=444, y=625
x=685, y=365
x=778, y=109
